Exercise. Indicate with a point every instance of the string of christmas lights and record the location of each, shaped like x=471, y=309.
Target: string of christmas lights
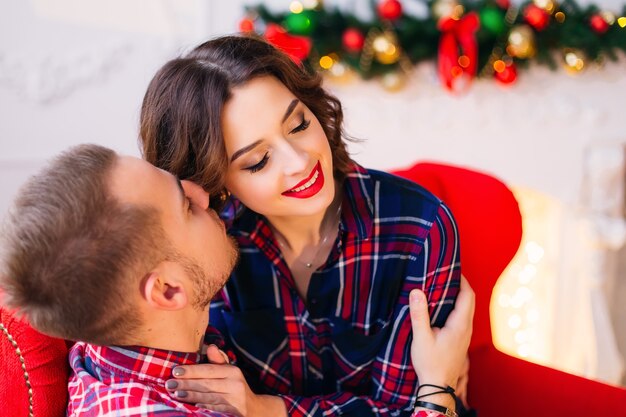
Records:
x=467, y=38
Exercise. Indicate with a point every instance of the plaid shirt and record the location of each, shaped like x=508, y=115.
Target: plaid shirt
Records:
x=128, y=381
x=346, y=351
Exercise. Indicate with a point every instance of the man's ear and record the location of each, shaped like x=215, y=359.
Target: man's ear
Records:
x=163, y=288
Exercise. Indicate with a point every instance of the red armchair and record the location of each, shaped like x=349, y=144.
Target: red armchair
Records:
x=33, y=372
x=34, y=366
x=490, y=229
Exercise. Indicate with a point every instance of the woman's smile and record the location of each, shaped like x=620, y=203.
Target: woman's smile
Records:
x=309, y=186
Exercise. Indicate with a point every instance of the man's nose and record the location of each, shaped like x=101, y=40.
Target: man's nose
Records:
x=196, y=194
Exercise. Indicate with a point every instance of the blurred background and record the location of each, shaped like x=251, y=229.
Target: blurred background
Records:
x=75, y=71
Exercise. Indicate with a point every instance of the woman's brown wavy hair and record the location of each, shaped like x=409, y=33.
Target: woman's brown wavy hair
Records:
x=181, y=115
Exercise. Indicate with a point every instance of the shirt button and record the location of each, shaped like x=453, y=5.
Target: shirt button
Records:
x=314, y=301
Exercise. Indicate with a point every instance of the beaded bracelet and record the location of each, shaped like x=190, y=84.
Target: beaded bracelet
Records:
x=425, y=413
x=436, y=407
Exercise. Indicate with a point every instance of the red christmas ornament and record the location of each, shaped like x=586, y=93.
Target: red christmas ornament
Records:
x=598, y=24
x=353, y=40
x=507, y=75
x=297, y=47
x=536, y=17
x=390, y=9
x=246, y=25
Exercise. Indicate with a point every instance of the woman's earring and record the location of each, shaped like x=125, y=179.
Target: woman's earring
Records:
x=224, y=195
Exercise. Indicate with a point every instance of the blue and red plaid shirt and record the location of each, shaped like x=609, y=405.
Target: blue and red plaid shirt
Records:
x=128, y=381
x=346, y=351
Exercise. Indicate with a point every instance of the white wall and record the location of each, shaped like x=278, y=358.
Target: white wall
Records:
x=533, y=134
x=74, y=71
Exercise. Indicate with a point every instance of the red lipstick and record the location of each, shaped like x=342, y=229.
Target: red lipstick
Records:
x=309, y=186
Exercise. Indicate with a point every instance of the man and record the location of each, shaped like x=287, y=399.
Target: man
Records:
x=116, y=253
x=124, y=257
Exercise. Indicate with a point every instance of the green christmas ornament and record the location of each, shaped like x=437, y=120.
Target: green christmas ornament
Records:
x=492, y=19
x=302, y=23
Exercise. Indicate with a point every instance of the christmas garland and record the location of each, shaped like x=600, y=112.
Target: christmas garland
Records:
x=478, y=38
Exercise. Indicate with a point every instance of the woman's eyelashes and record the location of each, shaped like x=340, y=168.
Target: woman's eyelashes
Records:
x=304, y=124
x=259, y=165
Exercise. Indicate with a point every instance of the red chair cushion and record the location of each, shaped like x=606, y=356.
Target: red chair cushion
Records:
x=501, y=385
x=489, y=222
x=45, y=364
x=490, y=228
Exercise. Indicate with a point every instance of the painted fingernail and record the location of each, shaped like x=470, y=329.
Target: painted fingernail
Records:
x=178, y=372
x=171, y=384
x=181, y=394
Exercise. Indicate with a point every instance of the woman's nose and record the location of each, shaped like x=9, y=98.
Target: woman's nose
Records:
x=296, y=160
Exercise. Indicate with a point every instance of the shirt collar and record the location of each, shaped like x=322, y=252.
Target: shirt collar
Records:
x=140, y=362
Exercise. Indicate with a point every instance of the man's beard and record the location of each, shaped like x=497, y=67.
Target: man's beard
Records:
x=206, y=287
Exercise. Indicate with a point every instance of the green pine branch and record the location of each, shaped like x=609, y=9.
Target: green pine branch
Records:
x=419, y=37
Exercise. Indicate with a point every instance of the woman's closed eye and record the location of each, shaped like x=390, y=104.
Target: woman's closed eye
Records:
x=304, y=124
x=259, y=165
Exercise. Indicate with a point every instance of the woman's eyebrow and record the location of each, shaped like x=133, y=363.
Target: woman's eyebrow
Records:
x=290, y=108
x=243, y=150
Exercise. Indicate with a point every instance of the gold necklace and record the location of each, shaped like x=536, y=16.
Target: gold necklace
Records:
x=282, y=242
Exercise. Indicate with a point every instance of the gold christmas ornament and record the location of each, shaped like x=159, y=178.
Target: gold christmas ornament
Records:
x=447, y=8
x=559, y=17
x=499, y=65
x=574, y=60
x=326, y=62
x=393, y=81
x=296, y=7
x=386, y=50
x=521, y=42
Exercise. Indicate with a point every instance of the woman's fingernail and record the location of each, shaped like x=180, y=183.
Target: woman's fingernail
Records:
x=171, y=384
x=181, y=394
x=414, y=296
x=178, y=372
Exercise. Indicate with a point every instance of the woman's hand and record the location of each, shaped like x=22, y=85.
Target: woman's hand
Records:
x=438, y=355
x=461, y=386
x=221, y=387
x=215, y=387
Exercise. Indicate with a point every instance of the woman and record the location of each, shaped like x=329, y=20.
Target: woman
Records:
x=317, y=308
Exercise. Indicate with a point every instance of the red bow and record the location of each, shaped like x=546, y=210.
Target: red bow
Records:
x=458, y=35
x=297, y=47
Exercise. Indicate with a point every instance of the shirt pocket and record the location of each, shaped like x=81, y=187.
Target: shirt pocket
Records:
x=259, y=339
x=354, y=354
